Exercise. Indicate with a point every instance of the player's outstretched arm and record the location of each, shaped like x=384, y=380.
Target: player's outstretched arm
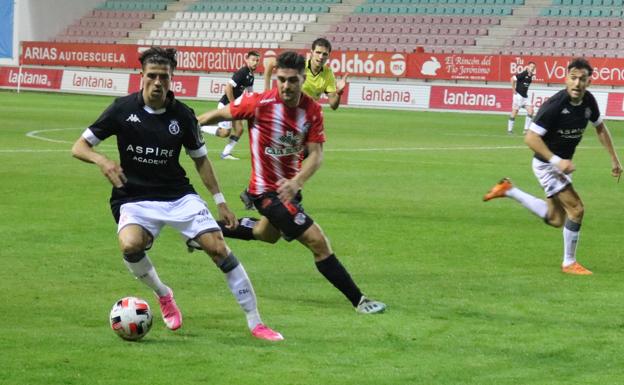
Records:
x=208, y=177
x=214, y=116
x=605, y=138
x=112, y=170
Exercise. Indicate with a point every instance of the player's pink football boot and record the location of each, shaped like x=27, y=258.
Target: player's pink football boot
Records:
x=170, y=312
x=264, y=332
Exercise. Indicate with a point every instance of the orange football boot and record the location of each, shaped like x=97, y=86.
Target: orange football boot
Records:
x=576, y=269
x=499, y=190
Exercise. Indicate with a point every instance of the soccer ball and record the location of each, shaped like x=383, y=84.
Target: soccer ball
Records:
x=131, y=318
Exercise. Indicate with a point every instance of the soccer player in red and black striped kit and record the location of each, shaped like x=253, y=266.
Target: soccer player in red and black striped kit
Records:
x=282, y=123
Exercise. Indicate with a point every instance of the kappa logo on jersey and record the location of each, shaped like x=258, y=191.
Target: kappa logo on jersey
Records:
x=587, y=113
x=174, y=127
x=565, y=111
x=133, y=118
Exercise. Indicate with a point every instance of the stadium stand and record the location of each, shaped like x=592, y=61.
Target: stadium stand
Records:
x=520, y=27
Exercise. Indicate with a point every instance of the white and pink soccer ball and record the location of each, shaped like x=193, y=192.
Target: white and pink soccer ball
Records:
x=131, y=318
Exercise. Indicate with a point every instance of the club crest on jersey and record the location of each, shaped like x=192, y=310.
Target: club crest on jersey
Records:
x=587, y=113
x=174, y=127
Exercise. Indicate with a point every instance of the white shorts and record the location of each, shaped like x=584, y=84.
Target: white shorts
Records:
x=520, y=102
x=226, y=125
x=549, y=176
x=189, y=215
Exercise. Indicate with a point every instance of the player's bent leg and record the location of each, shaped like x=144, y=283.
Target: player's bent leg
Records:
x=264, y=231
x=133, y=240
x=330, y=267
x=571, y=203
x=511, y=121
x=238, y=282
x=556, y=215
x=574, y=209
x=315, y=240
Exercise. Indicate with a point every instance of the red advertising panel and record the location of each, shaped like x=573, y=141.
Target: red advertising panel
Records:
x=79, y=55
x=553, y=69
x=615, y=104
x=470, y=98
x=453, y=67
x=183, y=86
x=49, y=79
x=481, y=68
x=374, y=64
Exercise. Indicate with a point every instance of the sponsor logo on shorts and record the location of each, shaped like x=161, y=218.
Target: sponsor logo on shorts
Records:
x=300, y=218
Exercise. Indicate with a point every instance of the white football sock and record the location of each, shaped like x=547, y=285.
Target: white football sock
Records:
x=537, y=206
x=527, y=122
x=571, y=233
x=227, y=150
x=145, y=272
x=510, y=124
x=241, y=287
x=212, y=130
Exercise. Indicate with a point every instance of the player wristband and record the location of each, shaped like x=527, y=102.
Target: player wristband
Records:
x=340, y=92
x=554, y=160
x=218, y=198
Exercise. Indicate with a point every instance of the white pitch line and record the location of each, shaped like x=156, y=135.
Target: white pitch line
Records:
x=34, y=134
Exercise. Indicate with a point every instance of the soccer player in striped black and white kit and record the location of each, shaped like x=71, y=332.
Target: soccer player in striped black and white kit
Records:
x=553, y=136
x=282, y=123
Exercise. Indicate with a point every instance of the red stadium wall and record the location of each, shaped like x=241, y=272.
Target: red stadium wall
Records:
x=490, y=68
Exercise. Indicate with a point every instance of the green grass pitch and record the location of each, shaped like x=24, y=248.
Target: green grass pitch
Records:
x=474, y=291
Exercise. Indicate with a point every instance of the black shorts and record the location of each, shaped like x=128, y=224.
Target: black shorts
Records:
x=288, y=218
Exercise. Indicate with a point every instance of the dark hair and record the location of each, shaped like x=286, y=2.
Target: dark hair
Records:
x=252, y=53
x=159, y=55
x=321, y=41
x=581, y=64
x=291, y=60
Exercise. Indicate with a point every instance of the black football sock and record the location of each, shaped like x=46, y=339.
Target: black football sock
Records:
x=334, y=272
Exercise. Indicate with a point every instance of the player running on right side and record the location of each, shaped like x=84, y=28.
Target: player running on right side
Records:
x=520, y=84
x=553, y=136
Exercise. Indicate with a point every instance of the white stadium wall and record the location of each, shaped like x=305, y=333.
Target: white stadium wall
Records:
x=39, y=20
